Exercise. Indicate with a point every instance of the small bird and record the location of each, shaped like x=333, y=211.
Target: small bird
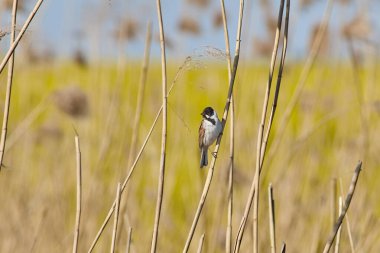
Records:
x=209, y=130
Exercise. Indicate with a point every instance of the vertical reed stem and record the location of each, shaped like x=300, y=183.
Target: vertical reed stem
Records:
x=272, y=231
x=232, y=135
x=79, y=193
x=317, y=43
x=116, y=217
x=224, y=119
x=139, y=106
x=7, y=101
x=262, y=142
x=140, y=96
x=337, y=243
x=200, y=246
x=129, y=240
x=333, y=202
x=283, y=248
x=261, y=133
x=160, y=192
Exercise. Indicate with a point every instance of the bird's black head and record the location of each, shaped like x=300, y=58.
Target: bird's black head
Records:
x=207, y=112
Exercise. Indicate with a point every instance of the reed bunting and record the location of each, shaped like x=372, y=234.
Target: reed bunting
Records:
x=209, y=130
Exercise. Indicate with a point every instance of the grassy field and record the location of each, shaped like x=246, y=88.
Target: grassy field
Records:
x=334, y=124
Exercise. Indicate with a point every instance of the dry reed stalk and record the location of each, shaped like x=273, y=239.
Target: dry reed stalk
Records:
x=272, y=231
x=160, y=193
x=19, y=36
x=139, y=106
x=333, y=201
x=262, y=143
x=116, y=217
x=283, y=248
x=217, y=225
x=303, y=78
x=129, y=241
x=347, y=202
x=137, y=159
x=140, y=95
x=200, y=246
x=79, y=193
x=224, y=119
x=7, y=101
x=347, y=221
x=261, y=133
x=337, y=243
x=232, y=134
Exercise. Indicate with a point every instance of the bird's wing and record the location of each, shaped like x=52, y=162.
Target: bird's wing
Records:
x=201, y=135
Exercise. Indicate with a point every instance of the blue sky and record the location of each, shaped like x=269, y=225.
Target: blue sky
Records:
x=58, y=23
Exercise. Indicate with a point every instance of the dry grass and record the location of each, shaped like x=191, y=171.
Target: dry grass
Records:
x=79, y=194
x=301, y=172
x=38, y=187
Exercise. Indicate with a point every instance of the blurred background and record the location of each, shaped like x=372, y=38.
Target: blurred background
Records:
x=94, y=29
x=79, y=66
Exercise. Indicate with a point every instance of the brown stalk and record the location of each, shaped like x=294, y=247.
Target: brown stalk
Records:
x=261, y=133
x=347, y=202
x=232, y=135
x=337, y=243
x=224, y=119
x=333, y=202
x=140, y=100
x=347, y=221
x=262, y=143
x=200, y=246
x=140, y=96
x=129, y=240
x=272, y=231
x=303, y=78
x=79, y=194
x=7, y=101
x=283, y=248
x=116, y=217
x=161, y=178
x=19, y=36
x=232, y=143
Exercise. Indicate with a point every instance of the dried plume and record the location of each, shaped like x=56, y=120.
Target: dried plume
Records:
x=128, y=30
x=325, y=43
x=359, y=27
x=189, y=25
x=217, y=20
x=199, y=3
x=72, y=101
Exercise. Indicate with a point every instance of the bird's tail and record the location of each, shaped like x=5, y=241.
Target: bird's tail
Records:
x=204, y=159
